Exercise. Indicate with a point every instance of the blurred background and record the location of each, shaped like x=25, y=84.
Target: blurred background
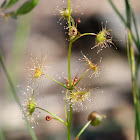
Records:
x=39, y=34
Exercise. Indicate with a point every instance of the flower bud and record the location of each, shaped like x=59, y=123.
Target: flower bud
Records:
x=78, y=20
x=31, y=106
x=96, y=118
x=65, y=13
x=48, y=118
x=38, y=72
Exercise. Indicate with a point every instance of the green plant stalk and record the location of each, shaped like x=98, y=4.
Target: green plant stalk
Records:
x=19, y=47
x=134, y=85
x=136, y=129
x=128, y=15
x=2, y=135
x=81, y=35
x=83, y=129
x=133, y=69
x=68, y=132
x=128, y=53
x=137, y=81
x=69, y=123
x=131, y=58
x=66, y=112
x=20, y=43
x=56, y=81
x=88, y=34
x=56, y=117
x=121, y=17
x=135, y=25
x=116, y=10
x=82, y=76
x=134, y=22
x=69, y=18
x=15, y=96
x=69, y=72
x=69, y=63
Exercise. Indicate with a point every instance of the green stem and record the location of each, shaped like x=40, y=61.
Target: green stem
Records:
x=69, y=71
x=135, y=24
x=56, y=117
x=137, y=67
x=15, y=96
x=134, y=84
x=66, y=115
x=81, y=77
x=136, y=129
x=72, y=21
x=70, y=115
x=116, y=10
x=68, y=132
x=19, y=47
x=20, y=44
x=9, y=79
x=81, y=35
x=2, y=137
x=56, y=81
x=69, y=63
x=69, y=122
x=128, y=53
x=83, y=129
x=133, y=71
x=131, y=58
x=125, y=23
x=69, y=18
x=88, y=34
x=33, y=93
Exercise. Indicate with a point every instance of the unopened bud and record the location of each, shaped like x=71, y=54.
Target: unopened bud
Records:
x=48, y=118
x=78, y=20
x=96, y=118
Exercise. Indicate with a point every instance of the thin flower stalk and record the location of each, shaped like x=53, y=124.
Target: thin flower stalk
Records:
x=56, y=117
x=82, y=76
x=83, y=129
x=84, y=34
x=57, y=81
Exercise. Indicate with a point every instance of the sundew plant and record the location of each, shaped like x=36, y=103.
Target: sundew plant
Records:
x=73, y=95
